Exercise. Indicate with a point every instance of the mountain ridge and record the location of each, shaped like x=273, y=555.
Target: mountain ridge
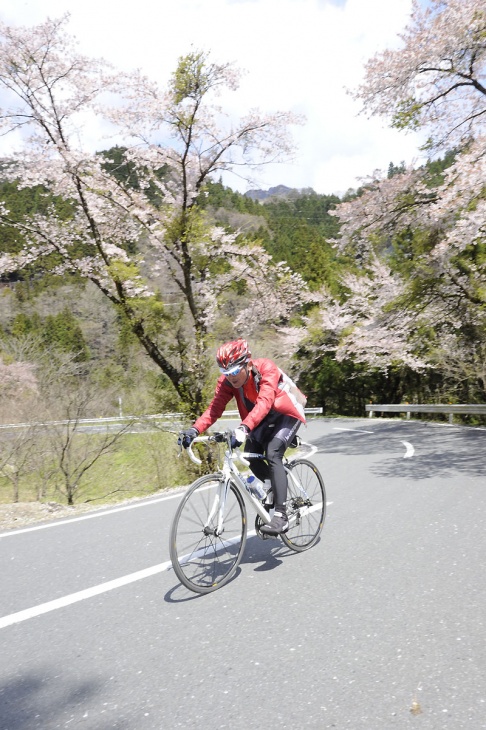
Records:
x=278, y=191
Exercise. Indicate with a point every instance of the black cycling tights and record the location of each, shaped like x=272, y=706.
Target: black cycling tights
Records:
x=273, y=470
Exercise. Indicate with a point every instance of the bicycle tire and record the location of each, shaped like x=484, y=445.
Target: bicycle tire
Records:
x=203, y=560
x=306, y=507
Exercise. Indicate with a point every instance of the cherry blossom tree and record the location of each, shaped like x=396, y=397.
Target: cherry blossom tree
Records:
x=174, y=139
x=420, y=297
x=436, y=80
x=367, y=326
x=17, y=378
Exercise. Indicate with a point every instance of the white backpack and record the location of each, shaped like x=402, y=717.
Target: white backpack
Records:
x=288, y=386
x=295, y=394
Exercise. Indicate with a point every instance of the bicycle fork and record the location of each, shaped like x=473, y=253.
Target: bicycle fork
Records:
x=217, y=508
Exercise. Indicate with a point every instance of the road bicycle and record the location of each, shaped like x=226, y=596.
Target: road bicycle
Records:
x=209, y=530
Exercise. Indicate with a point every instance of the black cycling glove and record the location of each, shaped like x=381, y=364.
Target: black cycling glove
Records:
x=187, y=437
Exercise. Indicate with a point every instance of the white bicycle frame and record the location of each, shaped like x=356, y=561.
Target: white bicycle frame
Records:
x=230, y=472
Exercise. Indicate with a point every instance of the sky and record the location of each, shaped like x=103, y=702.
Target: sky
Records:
x=298, y=55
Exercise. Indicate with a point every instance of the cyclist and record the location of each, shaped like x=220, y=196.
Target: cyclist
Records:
x=270, y=418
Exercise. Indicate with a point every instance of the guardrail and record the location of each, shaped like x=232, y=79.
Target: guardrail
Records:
x=113, y=419
x=118, y=419
x=308, y=411
x=408, y=408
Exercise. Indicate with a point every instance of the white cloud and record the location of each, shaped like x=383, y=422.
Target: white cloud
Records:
x=299, y=55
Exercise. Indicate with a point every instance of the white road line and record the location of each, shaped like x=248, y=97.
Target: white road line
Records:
x=16, y=618
x=28, y=613
x=354, y=430
x=101, y=513
x=410, y=451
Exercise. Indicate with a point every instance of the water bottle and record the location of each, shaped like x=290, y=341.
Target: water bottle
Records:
x=256, y=487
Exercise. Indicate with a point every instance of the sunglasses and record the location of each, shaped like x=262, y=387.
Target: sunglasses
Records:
x=232, y=371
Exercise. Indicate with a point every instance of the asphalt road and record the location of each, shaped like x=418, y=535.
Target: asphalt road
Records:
x=379, y=626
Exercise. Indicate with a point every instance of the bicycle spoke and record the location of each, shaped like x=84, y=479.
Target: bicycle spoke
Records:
x=203, y=559
x=306, y=505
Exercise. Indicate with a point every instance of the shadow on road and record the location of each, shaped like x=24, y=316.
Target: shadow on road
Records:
x=445, y=451
x=265, y=555
x=180, y=594
x=26, y=702
x=268, y=554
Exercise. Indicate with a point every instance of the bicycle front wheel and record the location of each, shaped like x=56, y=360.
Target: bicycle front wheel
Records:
x=208, y=534
x=306, y=505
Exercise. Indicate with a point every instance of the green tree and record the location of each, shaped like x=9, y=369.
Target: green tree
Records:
x=127, y=223
x=64, y=332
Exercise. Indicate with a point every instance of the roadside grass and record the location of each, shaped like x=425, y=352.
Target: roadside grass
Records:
x=140, y=464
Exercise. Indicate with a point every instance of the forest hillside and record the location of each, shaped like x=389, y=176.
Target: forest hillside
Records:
x=121, y=270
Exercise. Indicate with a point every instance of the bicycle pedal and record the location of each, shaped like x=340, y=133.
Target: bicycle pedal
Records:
x=262, y=536
x=259, y=523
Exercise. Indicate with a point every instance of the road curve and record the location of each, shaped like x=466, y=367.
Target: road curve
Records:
x=380, y=626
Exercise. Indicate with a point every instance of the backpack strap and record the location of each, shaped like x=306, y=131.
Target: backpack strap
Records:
x=257, y=376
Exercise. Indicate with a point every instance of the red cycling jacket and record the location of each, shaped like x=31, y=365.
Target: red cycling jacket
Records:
x=268, y=397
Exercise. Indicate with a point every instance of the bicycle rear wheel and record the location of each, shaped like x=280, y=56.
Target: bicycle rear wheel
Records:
x=306, y=505
x=203, y=557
